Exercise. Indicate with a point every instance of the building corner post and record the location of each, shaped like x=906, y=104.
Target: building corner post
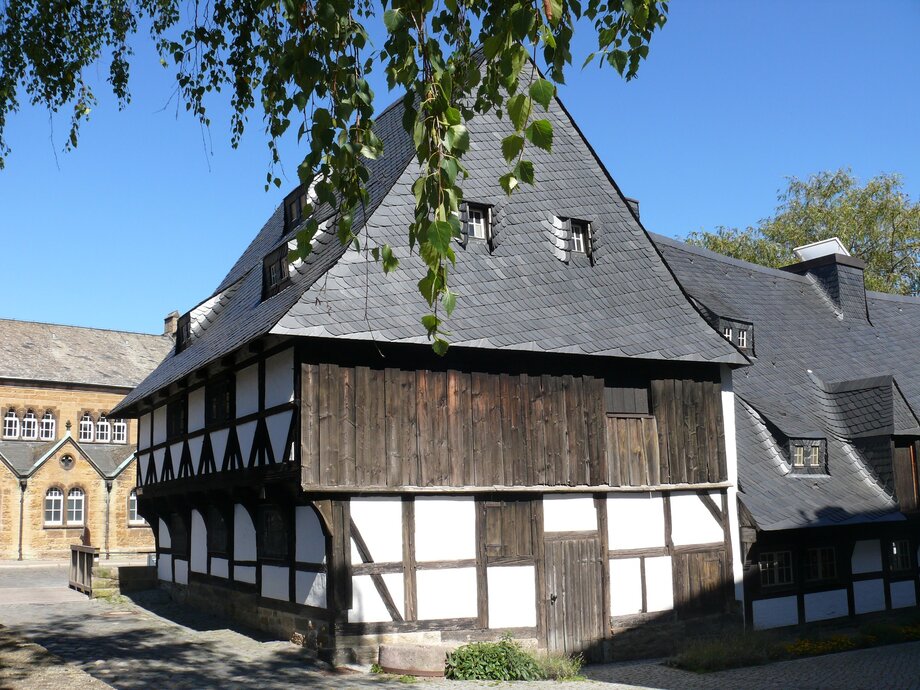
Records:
x=731, y=458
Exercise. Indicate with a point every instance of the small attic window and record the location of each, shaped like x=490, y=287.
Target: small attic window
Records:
x=275, y=272
x=742, y=338
x=183, y=331
x=294, y=205
x=808, y=456
x=581, y=236
x=727, y=332
x=476, y=220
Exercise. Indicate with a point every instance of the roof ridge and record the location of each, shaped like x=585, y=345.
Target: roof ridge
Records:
x=83, y=328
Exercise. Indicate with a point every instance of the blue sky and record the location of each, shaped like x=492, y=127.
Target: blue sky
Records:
x=149, y=212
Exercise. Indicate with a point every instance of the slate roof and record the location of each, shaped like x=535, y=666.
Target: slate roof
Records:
x=818, y=372
x=77, y=355
x=520, y=296
x=25, y=457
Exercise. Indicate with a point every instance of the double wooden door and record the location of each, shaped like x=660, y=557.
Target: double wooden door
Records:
x=574, y=591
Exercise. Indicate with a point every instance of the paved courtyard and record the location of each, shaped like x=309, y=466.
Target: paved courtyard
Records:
x=154, y=644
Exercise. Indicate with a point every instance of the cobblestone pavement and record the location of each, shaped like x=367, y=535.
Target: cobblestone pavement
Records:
x=154, y=643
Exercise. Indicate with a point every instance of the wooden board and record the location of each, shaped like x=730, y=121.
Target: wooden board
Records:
x=574, y=590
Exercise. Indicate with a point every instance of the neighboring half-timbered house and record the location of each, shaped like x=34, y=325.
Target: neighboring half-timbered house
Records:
x=827, y=427
x=567, y=468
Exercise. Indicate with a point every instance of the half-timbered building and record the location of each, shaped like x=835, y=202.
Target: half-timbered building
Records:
x=567, y=469
x=827, y=430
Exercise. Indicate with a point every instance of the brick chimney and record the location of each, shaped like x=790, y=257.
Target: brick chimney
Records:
x=836, y=274
x=171, y=324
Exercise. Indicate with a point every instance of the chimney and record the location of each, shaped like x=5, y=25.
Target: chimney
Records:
x=836, y=274
x=171, y=324
x=633, y=205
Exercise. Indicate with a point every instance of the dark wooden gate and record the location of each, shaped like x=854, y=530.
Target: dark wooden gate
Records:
x=574, y=591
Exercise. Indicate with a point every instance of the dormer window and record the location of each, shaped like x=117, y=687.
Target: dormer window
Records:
x=581, y=237
x=742, y=338
x=476, y=221
x=727, y=332
x=183, y=332
x=814, y=457
x=294, y=206
x=275, y=272
x=807, y=456
x=798, y=456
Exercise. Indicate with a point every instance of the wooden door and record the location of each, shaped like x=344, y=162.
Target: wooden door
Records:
x=574, y=605
x=905, y=476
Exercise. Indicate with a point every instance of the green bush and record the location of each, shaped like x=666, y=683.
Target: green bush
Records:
x=503, y=660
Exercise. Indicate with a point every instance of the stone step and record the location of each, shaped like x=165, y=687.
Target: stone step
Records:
x=414, y=659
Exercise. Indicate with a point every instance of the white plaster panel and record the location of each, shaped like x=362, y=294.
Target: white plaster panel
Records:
x=181, y=571
x=635, y=521
x=276, y=582
x=310, y=588
x=220, y=567
x=512, y=597
x=165, y=540
x=659, y=584
x=219, y=446
x=159, y=456
x=194, y=448
x=691, y=521
x=625, y=586
x=245, y=434
x=244, y=573
x=164, y=567
x=379, y=520
x=903, y=594
x=244, y=535
x=143, y=431
x=142, y=462
x=247, y=390
x=867, y=557
x=196, y=409
x=445, y=529
x=775, y=613
x=175, y=457
x=820, y=606
x=310, y=540
x=869, y=595
x=446, y=593
x=279, y=426
x=569, y=513
x=159, y=424
x=279, y=378
x=199, y=544
x=368, y=606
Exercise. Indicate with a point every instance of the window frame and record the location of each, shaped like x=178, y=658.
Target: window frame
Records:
x=86, y=423
x=816, y=569
x=776, y=568
x=138, y=519
x=47, y=423
x=53, y=492
x=798, y=455
x=221, y=387
x=103, y=423
x=177, y=418
x=742, y=338
x=283, y=556
x=277, y=259
x=484, y=211
x=213, y=515
x=899, y=562
x=28, y=426
x=11, y=425
x=728, y=333
x=183, y=332
x=119, y=431
x=580, y=233
x=298, y=198
x=76, y=500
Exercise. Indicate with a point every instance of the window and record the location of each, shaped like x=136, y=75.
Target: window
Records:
x=815, y=456
x=75, y=507
x=478, y=221
x=29, y=426
x=119, y=431
x=820, y=563
x=742, y=338
x=581, y=237
x=294, y=206
x=775, y=568
x=54, y=506
x=218, y=396
x=176, y=418
x=183, y=332
x=86, y=427
x=798, y=456
x=275, y=272
x=218, y=535
x=46, y=429
x=103, y=430
x=727, y=332
x=134, y=518
x=273, y=536
x=10, y=425
x=508, y=529
x=900, y=555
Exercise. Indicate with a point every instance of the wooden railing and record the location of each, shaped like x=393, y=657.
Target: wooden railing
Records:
x=82, y=560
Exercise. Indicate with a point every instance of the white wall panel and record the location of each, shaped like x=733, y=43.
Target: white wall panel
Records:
x=244, y=573
x=625, y=586
x=164, y=567
x=635, y=521
x=869, y=595
x=659, y=584
x=244, y=535
x=867, y=557
x=219, y=446
x=445, y=529
x=245, y=434
x=820, y=606
x=310, y=541
x=143, y=431
x=903, y=594
x=279, y=426
x=163, y=528
x=569, y=513
x=247, y=390
x=142, y=462
x=175, y=457
x=199, y=544
x=220, y=567
x=310, y=588
x=196, y=409
x=446, y=593
x=380, y=522
x=775, y=613
x=159, y=456
x=279, y=378
x=276, y=582
x=181, y=570
x=691, y=521
x=512, y=596
x=368, y=606
x=194, y=449
x=159, y=424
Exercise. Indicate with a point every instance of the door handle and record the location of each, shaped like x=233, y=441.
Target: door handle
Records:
x=552, y=599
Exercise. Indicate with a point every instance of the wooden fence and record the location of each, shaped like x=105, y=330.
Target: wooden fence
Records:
x=82, y=560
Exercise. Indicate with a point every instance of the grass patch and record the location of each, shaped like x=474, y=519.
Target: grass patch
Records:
x=559, y=666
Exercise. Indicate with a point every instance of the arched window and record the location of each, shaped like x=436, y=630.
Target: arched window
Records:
x=46, y=429
x=218, y=535
x=75, y=507
x=54, y=506
x=103, y=430
x=119, y=431
x=29, y=426
x=86, y=427
x=10, y=425
x=134, y=518
x=273, y=534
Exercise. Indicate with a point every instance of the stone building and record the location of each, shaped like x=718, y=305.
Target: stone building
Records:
x=67, y=469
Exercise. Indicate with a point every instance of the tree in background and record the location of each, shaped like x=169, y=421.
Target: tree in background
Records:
x=878, y=222
x=304, y=64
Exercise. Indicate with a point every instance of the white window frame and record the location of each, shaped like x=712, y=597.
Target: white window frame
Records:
x=727, y=332
x=119, y=431
x=134, y=518
x=478, y=218
x=798, y=455
x=87, y=428
x=776, y=568
x=11, y=425
x=581, y=236
x=742, y=338
x=103, y=430
x=29, y=426
x=54, y=502
x=814, y=457
x=76, y=507
x=46, y=426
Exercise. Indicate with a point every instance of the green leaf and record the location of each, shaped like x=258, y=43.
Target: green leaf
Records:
x=555, y=12
x=375, y=252
x=393, y=20
x=508, y=182
x=440, y=234
x=542, y=91
x=618, y=59
x=453, y=116
x=390, y=262
x=449, y=300
x=512, y=146
x=457, y=139
x=440, y=346
x=519, y=108
x=524, y=171
x=540, y=133
x=431, y=323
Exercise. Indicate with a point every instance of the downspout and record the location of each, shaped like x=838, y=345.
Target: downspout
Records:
x=108, y=500
x=22, y=503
